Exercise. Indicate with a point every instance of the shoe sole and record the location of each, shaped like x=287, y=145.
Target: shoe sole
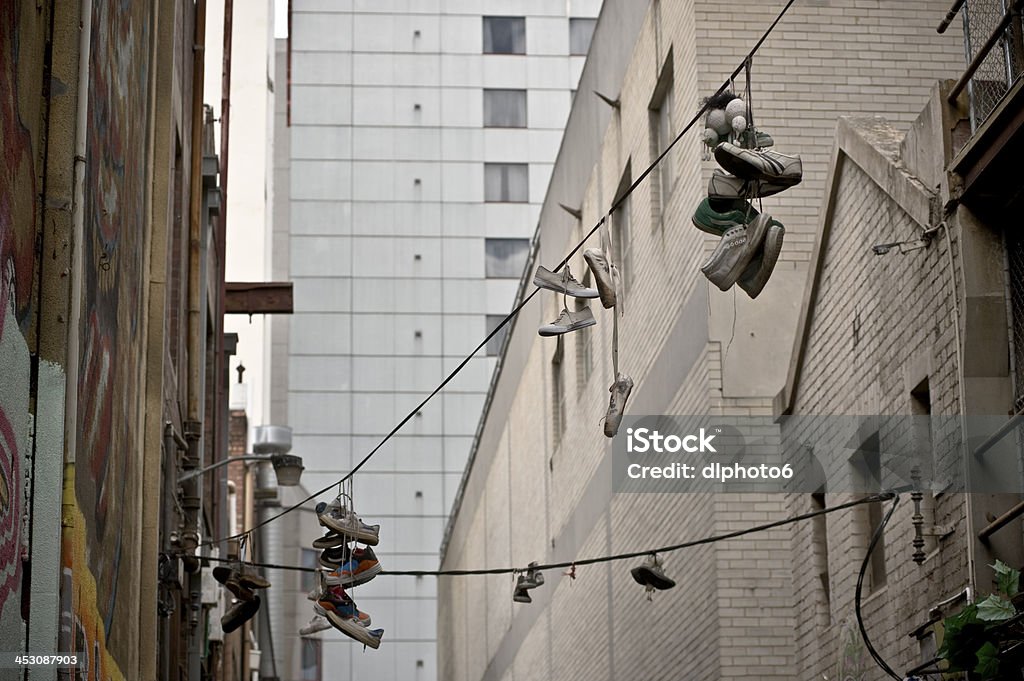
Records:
x=585, y=293
x=346, y=533
x=355, y=580
x=746, y=170
x=769, y=257
x=644, y=577
x=327, y=542
x=547, y=331
x=354, y=631
x=605, y=289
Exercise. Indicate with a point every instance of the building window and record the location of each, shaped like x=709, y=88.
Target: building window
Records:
x=663, y=132
x=504, y=35
x=584, y=358
x=495, y=343
x=580, y=33
x=309, y=560
x=505, y=108
x=312, y=656
x=819, y=539
x=506, y=258
x=557, y=394
x=506, y=182
x=867, y=465
x=622, y=242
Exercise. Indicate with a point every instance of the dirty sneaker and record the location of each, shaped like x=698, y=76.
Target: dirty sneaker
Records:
x=763, y=166
x=760, y=269
x=360, y=568
x=717, y=219
x=562, y=282
x=737, y=248
x=568, y=321
x=602, y=275
x=620, y=390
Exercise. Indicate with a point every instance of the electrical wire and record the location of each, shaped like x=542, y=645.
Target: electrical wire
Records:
x=875, y=538
x=712, y=539
x=515, y=311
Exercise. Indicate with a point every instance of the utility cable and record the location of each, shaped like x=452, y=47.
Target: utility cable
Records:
x=515, y=311
x=876, y=537
x=712, y=539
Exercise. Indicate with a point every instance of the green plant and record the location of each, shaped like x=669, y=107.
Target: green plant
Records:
x=984, y=638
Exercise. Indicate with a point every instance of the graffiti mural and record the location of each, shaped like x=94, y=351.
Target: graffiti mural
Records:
x=107, y=466
x=17, y=262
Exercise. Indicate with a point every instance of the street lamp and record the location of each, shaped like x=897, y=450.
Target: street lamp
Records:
x=287, y=467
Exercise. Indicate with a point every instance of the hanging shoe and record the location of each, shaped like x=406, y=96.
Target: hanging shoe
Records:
x=717, y=219
x=317, y=624
x=230, y=578
x=562, y=282
x=620, y=391
x=602, y=275
x=239, y=613
x=762, y=166
x=342, y=613
x=760, y=269
x=737, y=248
x=359, y=569
x=568, y=321
x=343, y=521
x=333, y=557
x=521, y=594
x=725, y=187
x=252, y=580
x=330, y=540
x=651, y=575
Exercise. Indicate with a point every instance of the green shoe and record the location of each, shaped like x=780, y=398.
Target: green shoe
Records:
x=729, y=213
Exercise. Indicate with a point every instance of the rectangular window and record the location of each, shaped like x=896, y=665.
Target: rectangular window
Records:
x=584, y=359
x=505, y=108
x=309, y=560
x=580, y=33
x=506, y=182
x=867, y=469
x=312, y=656
x=622, y=242
x=504, y=35
x=663, y=131
x=819, y=531
x=495, y=343
x=506, y=258
x=557, y=393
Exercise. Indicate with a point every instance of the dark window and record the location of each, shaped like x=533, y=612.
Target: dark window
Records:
x=309, y=560
x=505, y=108
x=557, y=394
x=495, y=343
x=506, y=182
x=504, y=35
x=506, y=258
x=580, y=33
x=312, y=655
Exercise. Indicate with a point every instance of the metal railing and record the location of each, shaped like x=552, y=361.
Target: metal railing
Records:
x=994, y=52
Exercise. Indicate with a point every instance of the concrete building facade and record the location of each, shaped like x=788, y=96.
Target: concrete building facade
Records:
x=538, y=485
x=421, y=137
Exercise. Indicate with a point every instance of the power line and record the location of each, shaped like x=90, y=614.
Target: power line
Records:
x=712, y=539
x=515, y=311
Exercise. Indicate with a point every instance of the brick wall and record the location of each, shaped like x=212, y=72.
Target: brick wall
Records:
x=732, y=614
x=238, y=430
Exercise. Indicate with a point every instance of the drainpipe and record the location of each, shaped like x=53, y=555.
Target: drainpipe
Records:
x=192, y=490
x=66, y=643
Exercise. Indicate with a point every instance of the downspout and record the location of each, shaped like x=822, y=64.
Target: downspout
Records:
x=66, y=642
x=192, y=492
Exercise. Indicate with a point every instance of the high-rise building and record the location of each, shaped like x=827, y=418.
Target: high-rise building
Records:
x=422, y=136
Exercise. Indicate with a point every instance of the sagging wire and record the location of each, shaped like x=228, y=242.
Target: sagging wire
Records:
x=571, y=565
x=515, y=311
x=875, y=538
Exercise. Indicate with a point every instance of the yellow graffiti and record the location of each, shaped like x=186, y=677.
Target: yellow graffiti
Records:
x=85, y=616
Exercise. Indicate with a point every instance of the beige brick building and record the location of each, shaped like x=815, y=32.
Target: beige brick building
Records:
x=538, y=487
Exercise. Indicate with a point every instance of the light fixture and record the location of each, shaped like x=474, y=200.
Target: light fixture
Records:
x=287, y=467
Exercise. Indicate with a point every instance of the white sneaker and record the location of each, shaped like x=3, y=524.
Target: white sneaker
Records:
x=562, y=282
x=317, y=624
x=568, y=321
x=620, y=390
x=602, y=275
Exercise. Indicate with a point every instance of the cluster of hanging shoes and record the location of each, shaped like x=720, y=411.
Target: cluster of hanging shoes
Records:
x=561, y=281
x=345, y=564
x=242, y=584
x=751, y=242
